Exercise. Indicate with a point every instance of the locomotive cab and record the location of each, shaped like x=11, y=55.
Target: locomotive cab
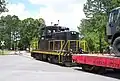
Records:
x=59, y=33
x=58, y=38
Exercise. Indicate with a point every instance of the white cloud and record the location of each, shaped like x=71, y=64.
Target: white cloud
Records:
x=50, y=2
x=69, y=12
x=71, y=20
x=17, y=9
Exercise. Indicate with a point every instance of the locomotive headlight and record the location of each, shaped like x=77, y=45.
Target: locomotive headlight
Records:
x=68, y=54
x=72, y=32
x=65, y=54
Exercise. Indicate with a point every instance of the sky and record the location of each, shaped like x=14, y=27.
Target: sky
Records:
x=68, y=12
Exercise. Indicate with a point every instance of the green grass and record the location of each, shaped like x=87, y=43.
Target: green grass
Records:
x=4, y=52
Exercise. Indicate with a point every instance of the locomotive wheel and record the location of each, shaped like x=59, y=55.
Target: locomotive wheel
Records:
x=33, y=55
x=67, y=64
x=99, y=70
x=116, y=70
x=44, y=57
x=116, y=46
x=37, y=57
x=86, y=67
x=94, y=69
x=40, y=57
x=49, y=58
x=54, y=59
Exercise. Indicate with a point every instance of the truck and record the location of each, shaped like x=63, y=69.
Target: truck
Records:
x=100, y=62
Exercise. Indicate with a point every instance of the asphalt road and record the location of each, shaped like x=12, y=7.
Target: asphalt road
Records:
x=23, y=68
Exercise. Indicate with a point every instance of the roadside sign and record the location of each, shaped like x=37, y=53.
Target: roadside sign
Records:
x=2, y=43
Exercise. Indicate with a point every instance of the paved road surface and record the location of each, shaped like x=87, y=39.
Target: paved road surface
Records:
x=21, y=68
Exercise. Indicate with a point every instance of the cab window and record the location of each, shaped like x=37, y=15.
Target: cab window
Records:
x=113, y=16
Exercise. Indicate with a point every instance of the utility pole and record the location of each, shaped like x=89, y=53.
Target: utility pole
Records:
x=2, y=44
x=11, y=40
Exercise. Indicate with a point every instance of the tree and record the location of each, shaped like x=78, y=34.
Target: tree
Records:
x=30, y=29
x=10, y=25
x=94, y=26
x=92, y=29
x=3, y=6
x=12, y=29
x=41, y=20
x=92, y=7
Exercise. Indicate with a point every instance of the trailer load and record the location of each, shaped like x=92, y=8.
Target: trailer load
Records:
x=113, y=31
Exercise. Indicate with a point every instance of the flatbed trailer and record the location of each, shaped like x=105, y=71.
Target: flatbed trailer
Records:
x=97, y=62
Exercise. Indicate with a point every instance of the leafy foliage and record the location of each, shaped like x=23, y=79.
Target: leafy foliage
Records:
x=16, y=32
x=93, y=28
x=92, y=7
x=3, y=6
x=8, y=24
x=30, y=29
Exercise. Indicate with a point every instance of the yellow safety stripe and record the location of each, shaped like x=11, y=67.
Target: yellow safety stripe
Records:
x=52, y=53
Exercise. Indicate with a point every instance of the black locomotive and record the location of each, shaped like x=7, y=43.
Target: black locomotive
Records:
x=53, y=36
x=57, y=44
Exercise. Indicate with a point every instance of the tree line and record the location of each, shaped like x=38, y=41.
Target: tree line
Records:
x=93, y=27
x=19, y=33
